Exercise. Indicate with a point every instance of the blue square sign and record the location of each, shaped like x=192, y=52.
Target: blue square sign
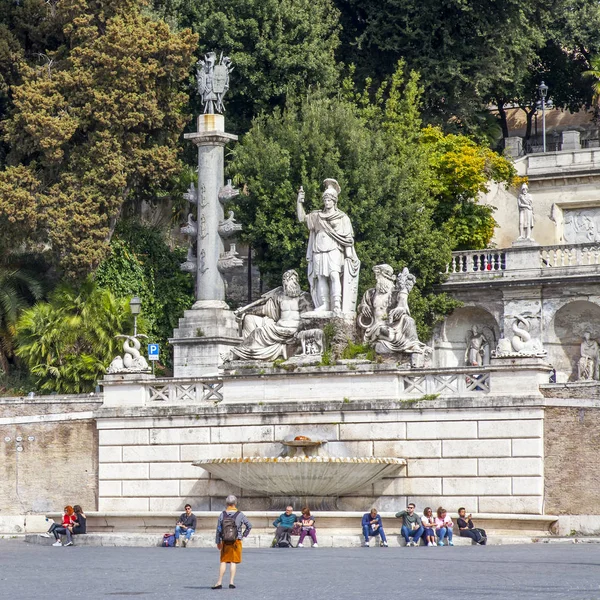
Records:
x=153, y=351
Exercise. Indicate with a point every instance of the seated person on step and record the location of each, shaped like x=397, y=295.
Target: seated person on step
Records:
x=467, y=529
x=186, y=525
x=78, y=527
x=284, y=524
x=411, y=525
x=428, y=522
x=307, y=522
x=372, y=526
x=443, y=527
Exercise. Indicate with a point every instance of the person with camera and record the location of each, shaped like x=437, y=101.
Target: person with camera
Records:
x=467, y=529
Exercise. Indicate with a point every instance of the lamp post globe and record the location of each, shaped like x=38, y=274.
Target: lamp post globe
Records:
x=135, y=305
x=543, y=89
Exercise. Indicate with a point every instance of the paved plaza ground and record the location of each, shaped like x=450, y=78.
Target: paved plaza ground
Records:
x=548, y=571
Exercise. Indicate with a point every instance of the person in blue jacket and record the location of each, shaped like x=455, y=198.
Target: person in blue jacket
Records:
x=284, y=523
x=373, y=526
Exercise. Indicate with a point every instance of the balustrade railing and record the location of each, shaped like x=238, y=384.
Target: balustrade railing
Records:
x=477, y=261
x=178, y=391
x=446, y=384
x=576, y=255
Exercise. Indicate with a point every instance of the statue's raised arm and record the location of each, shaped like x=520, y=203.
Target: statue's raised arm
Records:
x=300, y=205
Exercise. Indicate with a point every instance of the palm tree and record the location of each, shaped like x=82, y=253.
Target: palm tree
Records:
x=69, y=341
x=19, y=288
x=594, y=73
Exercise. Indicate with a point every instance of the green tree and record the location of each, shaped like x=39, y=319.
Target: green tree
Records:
x=68, y=342
x=141, y=263
x=94, y=127
x=20, y=287
x=279, y=48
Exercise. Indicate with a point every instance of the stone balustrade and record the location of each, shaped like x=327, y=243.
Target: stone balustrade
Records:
x=183, y=391
x=524, y=262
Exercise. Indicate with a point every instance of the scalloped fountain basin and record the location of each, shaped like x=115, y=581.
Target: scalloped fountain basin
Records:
x=301, y=475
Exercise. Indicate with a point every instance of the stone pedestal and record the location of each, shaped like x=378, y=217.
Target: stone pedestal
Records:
x=204, y=333
x=125, y=389
x=513, y=146
x=514, y=374
x=571, y=140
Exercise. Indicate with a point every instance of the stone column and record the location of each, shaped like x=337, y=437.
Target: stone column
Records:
x=210, y=328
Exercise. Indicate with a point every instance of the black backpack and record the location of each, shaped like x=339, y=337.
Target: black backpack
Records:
x=285, y=541
x=229, y=531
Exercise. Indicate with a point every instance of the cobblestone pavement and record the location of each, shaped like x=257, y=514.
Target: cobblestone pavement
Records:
x=544, y=571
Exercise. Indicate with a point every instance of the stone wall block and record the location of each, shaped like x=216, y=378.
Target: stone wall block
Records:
x=178, y=503
x=409, y=449
x=528, y=486
x=228, y=435
x=123, y=437
x=109, y=488
x=108, y=454
x=489, y=467
x=441, y=430
x=263, y=450
x=218, y=487
x=450, y=503
x=511, y=429
x=151, y=453
x=438, y=467
x=477, y=486
x=402, y=486
x=123, y=504
x=321, y=431
x=373, y=431
x=151, y=487
x=180, y=435
x=197, y=452
x=532, y=447
x=483, y=448
x=341, y=449
x=182, y=470
x=529, y=505
x=123, y=471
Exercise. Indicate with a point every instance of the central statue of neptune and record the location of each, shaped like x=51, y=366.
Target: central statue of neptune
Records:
x=333, y=266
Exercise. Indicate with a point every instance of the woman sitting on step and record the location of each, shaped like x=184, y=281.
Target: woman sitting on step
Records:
x=307, y=522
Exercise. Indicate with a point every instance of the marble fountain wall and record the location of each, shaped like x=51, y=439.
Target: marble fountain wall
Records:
x=485, y=451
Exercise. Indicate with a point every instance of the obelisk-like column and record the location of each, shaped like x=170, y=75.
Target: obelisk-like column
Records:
x=210, y=139
x=209, y=329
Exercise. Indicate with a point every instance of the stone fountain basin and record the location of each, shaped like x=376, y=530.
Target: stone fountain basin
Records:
x=301, y=475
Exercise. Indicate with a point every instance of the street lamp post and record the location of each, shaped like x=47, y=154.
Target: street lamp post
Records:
x=135, y=305
x=543, y=93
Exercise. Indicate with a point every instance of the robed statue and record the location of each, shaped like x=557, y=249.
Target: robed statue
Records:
x=270, y=324
x=525, y=204
x=333, y=266
x=587, y=367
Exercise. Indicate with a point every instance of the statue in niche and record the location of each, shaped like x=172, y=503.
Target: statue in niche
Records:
x=385, y=318
x=587, y=368
x=271, y=323
x=479, y=344
x=333, y=266
x=525, y=204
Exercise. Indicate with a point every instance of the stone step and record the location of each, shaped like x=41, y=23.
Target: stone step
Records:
x=264, y=540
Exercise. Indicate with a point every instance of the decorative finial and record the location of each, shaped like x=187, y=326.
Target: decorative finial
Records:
x=213, y=81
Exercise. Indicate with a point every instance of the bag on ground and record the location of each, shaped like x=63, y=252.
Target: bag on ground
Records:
x=168, y=540
x=284, y=541
x=229, y=532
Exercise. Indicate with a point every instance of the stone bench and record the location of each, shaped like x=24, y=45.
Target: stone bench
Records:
x=328, y=522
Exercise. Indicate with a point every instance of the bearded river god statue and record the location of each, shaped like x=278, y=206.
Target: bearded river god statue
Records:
x=384, y=316
x=270, y=325
x=333, y=266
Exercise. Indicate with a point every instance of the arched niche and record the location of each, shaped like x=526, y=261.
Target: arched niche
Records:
x=568, y=326
x=450, y=341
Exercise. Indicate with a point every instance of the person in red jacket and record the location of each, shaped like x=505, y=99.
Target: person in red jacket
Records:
x=57, y=530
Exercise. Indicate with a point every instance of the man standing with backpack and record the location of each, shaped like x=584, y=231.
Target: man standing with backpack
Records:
x=229, y=540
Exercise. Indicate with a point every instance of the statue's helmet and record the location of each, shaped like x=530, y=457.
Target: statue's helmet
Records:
x=524, y=188
x=385, y=271
x=331, y=189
